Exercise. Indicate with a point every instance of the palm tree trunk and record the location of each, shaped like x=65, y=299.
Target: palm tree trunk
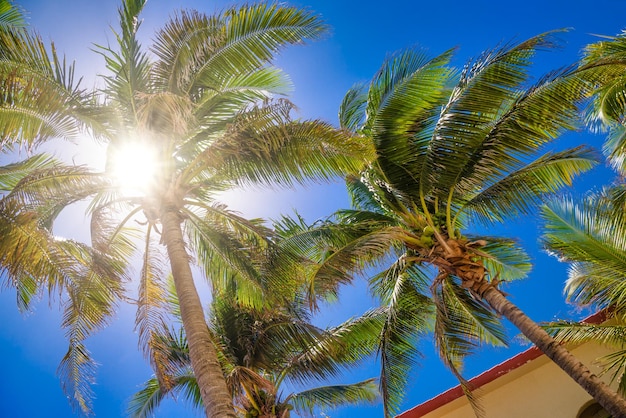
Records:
x=204, y=362
x=604, y=395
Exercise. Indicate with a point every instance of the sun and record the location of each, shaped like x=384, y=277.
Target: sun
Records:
x=134, y=168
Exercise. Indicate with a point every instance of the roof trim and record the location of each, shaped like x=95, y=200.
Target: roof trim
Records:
x=487, y=376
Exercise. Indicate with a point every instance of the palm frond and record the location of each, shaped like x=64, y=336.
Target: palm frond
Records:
x=405, y=88
x=408, y=318
x=217, y=109
x=251, y=35
x=53, y=187
x=404, y=102
x=40, y=99
x=111, y=236
x=338, y=251
x=609, y=334
x=77, y=371
x=326, y=353
x=263, y=146
x=12, y=174
x=151, y=311
x=504, y=259
x=362, y=196
x=595, y=285
x=489, y=104
x=389, y=199
x=328, y=397
x=615, y=148
x=32, y=258
x=129, y=66
x=145, y=402
x=352, y=109
x=185, y=40
x=479, y=323
x=581, y=332
x=229, y=261
x=11, y=16
x=608, y=56
x=90, y=305
x=584, y=225
x=198, y=53
x=521, y=190
x=615, y=363
x=457, y=335
x=584, y=234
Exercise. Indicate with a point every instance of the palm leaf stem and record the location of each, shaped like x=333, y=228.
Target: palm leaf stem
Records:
x=449, y=219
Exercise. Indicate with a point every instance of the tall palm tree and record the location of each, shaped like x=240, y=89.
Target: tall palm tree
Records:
x=202, y=103
x=453, y=151
x=263, y=349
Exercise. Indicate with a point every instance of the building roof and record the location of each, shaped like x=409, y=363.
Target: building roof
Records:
x=486, y=377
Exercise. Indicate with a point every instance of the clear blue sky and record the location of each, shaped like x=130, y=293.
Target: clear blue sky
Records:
x=364, y=32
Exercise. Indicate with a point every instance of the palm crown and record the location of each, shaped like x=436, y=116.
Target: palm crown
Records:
x=263, y=352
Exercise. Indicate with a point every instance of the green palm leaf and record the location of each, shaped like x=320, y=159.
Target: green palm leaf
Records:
x=228, y=259
x=352, y=108
x=145, y=402
x=608, y=101
x=198, y=53
x=53, y=187
x=11, y=16
x=521, y=190
x=90, y=305
x=12, y=174
x=474, y=132
x=332, y=396
x=369, y=195
x=151, y=314
x=505, y=259
x=39, y=92
x=587, y=235
x=326, y=353
x=264, y=146
x=130, y=66
x=408, y=315
x=404, y=102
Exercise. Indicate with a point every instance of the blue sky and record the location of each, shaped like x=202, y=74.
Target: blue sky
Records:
x=363, y=34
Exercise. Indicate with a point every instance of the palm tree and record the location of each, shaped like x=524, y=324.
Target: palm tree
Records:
x=263, y=349
x=452, y=152
x=591, y=235
x=202, y=103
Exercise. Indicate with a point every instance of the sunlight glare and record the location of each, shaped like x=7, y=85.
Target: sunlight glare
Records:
x=134, y=168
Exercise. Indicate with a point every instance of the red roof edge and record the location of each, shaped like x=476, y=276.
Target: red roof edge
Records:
x=487, y=376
